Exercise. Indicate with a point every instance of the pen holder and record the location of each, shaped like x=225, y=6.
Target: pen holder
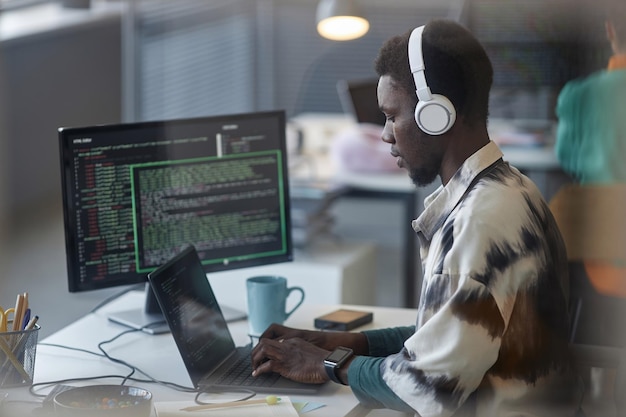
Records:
x=17, y=357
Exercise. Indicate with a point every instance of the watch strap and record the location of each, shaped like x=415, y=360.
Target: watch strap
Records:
x=331, y=371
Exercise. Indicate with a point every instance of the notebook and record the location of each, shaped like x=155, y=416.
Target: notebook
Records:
x=201, y=334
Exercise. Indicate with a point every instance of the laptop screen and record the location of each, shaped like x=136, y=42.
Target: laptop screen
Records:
x=359, y=98
x=192, y=312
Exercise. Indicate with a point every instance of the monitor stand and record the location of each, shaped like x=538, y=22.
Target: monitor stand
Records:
x=150, y=319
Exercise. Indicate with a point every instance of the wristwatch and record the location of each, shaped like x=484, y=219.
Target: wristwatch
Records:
x=335, y=360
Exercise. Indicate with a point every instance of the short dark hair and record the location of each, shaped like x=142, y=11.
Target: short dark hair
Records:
x=457, y=66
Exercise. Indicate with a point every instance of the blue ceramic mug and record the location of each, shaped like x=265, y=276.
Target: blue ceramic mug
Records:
x=267, y=302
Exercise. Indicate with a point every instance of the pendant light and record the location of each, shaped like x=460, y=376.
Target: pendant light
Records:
x=340, y=20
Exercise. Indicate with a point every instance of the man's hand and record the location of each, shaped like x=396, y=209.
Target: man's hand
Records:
x=293, y=358
x=325, y=340
x=277, y=331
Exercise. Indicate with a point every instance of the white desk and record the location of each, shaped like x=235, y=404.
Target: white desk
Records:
x=157, y=355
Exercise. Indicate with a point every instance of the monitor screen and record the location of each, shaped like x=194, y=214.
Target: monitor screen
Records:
x=359, y=98
x=136, y=194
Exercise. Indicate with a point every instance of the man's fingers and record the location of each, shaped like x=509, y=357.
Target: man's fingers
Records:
x=290, y=357
x=274, y=331
x=263, y=368
x=265, y=351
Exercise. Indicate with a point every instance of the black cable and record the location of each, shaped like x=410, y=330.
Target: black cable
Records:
x=134, y=368
x=114, y=296
x=104, y=354
x=70, y=348
x=129, y=377
x=171, y=385
x=120, y=361
x=31, y=389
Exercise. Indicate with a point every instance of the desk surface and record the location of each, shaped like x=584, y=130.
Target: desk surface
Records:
x=158, y=356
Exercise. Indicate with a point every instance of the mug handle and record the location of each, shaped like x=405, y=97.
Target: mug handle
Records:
x=289, y=291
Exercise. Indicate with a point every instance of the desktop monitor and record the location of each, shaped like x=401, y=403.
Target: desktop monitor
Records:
x=136, y=194
x=359, y=98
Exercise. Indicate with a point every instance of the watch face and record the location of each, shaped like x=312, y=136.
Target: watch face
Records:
x=334, y=361
x=339, y=355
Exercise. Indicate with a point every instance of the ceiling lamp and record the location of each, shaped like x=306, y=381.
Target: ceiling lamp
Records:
x=340, y=20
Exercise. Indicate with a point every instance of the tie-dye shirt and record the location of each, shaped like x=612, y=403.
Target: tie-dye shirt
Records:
x=492, y=325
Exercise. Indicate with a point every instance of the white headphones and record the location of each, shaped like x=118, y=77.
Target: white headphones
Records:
x=434, y=113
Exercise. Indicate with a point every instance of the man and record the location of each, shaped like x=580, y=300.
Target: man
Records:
x=492, y=325
x=591, y=134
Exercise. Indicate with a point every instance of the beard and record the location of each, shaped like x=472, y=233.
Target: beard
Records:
x=422, y=177
x=427, y=173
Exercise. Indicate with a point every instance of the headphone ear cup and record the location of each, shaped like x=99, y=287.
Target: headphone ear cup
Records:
x=435, y=116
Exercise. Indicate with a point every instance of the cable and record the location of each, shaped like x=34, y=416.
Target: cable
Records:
x=63, y=381
x=249, y=395
x=104, y=354
x=129, y=376
x=120, y=361
x=113, y=297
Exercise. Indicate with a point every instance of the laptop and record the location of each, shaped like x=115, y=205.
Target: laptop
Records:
x=199, y=328
x=359, y=99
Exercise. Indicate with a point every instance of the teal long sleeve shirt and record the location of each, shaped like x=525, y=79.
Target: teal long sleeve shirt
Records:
x=364, y=373
x=591, y=135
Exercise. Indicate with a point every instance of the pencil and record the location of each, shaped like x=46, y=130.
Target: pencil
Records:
x=25, y=294
x=19, y=312
x=31, y=323
x=10, y=356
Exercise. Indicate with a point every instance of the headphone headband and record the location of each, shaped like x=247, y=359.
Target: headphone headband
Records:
x=416, y=61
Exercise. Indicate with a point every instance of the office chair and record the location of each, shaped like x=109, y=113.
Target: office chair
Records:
x=611, y=401
x=585, y=209
x=593, y=225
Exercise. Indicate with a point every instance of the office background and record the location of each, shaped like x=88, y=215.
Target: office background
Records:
x=153, y=59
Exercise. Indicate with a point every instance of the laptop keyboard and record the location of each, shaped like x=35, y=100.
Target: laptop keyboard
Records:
x=240, y=374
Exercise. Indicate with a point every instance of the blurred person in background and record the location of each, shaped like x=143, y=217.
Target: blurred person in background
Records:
x=591, y=133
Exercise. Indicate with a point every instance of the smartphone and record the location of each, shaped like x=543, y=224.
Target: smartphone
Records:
x=343, y=320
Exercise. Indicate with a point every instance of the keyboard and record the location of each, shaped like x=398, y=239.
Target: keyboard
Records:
x=240, y=374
